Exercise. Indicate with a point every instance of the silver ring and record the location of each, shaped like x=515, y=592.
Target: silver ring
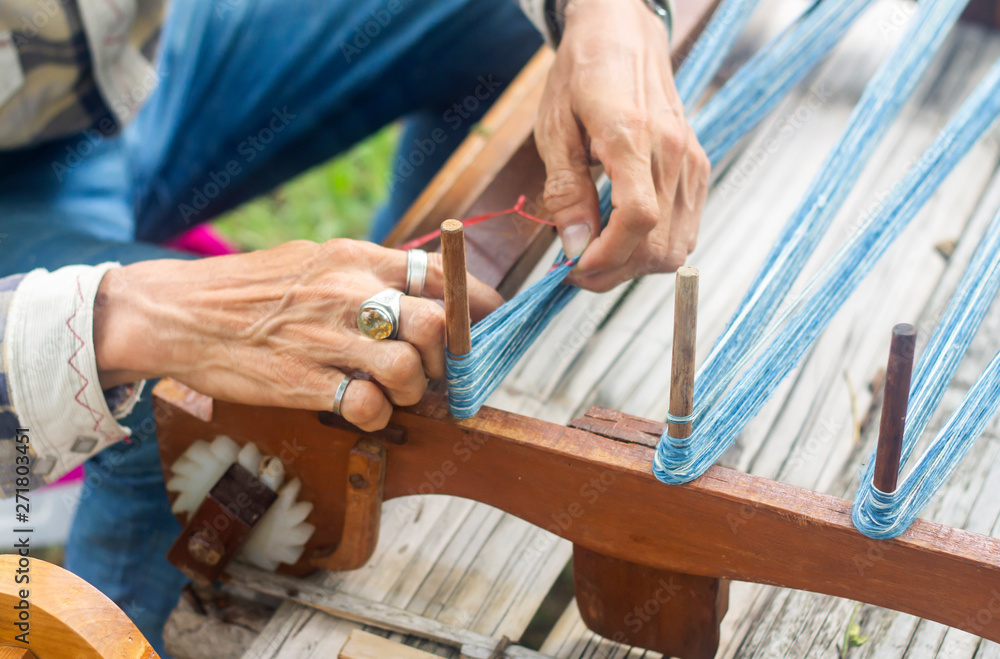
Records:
x=378, y=317
x=338, y=397
x=416, y=272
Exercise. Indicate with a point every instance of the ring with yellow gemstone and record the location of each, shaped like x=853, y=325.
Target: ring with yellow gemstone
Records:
x=378, y=317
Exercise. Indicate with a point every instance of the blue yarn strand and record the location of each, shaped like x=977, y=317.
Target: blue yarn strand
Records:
x=881, y=102
x=680, y=461
x=711, y=48
x=880, y=515
x=768, y=76
x=883, y=515
x=500, y=340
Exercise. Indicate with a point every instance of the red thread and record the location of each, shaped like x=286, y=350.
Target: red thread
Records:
x=97, y=416
x=517, y=209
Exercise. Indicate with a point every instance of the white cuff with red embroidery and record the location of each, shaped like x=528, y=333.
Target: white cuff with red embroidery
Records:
x=52, y=369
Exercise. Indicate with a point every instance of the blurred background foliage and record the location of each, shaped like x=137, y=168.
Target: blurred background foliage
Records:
x=337, y=199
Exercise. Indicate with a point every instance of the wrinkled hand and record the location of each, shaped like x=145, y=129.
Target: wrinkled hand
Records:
x=277, y=327
x=611, y=99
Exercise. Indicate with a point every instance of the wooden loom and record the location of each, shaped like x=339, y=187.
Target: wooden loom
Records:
x=591, y=482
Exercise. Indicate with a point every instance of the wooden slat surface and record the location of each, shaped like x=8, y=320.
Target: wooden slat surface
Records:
x=471, y=566
x=808, y=436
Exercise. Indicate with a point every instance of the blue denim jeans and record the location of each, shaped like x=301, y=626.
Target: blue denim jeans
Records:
x=250, y=93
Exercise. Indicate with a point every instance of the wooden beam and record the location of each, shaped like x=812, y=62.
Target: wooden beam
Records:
x=725, y=524
x=363, y=514
x=472, y=645
x=681, y=614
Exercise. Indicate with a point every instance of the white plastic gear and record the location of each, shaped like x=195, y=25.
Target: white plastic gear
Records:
x=282, y=533
x=198, y=469
x=249, y=458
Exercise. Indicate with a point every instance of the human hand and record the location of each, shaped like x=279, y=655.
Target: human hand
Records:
x=611, y=99
x=277, y=327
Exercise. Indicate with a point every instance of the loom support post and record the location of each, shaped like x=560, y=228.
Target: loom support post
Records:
x=689, y=608
x=893, y=422
x=456, y=291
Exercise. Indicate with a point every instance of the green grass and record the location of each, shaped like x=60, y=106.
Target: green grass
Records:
x=335, y=200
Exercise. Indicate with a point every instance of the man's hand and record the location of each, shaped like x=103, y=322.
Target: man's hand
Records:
x=277, y=327
x=611, y=99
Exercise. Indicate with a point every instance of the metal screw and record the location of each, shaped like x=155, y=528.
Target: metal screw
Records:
x=204, y=548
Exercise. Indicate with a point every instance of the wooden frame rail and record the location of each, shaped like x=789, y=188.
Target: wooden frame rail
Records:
x=597, y=490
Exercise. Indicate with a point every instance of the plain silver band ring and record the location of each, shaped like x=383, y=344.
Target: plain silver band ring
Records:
x=338, y=397
x=416, y=272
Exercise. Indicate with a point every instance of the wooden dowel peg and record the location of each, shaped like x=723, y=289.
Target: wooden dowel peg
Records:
x=456, y=290
x=897, y=392
x=682, y=358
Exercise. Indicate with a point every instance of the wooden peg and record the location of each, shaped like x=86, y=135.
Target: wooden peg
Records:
x=897, y=392
x=456, y=291
x=682, y=358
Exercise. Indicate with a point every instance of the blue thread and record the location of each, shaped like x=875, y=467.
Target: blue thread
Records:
x=679, y=462
x=880, y=103
x=882, y=515
x=711, y=48
x=502, y=338
x=771, y=74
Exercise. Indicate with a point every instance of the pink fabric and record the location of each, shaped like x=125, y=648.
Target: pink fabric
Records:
x=203, y=240
x=75, y=475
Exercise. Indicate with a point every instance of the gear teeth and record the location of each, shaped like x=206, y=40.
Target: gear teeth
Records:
x=198, y=469
x=282, y=532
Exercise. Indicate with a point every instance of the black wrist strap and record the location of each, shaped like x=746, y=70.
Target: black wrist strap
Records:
x=553, y=21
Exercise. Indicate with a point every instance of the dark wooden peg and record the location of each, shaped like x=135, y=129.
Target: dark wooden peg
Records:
x=456, y=290
x=682, y=357
x=897, y=392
